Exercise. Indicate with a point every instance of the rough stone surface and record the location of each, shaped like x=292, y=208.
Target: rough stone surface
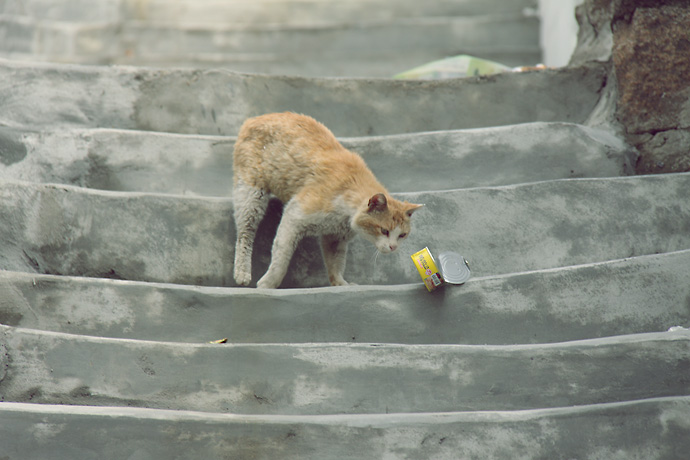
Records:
x=596, y=19
x=648, y=45
x=650, y=54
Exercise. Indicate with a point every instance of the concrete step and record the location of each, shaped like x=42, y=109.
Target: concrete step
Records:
x=361, y=49
x=216, y=102
x=365, y=48
x=144, y=161
x=629, y=296
x=335, y=378
x=254, y=12
x=575, y=281
x=66, y=230
x=651, y=429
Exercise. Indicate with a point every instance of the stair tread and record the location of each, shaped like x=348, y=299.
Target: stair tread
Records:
x=587, y=301
x=617, y=429
x=126, y=160
x=74, y=231
x=54, y=96
x=57, y=368
x=214, y=11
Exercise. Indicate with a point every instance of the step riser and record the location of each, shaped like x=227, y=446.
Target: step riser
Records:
x=112, y=40
x=202, y=165
x=535, y=307
x=339, y=378
x=254, y=12
x=339, y=51
x=275, y=64
x=218, y=102
x=72, y=231
x=317, y=66
x=653, y=430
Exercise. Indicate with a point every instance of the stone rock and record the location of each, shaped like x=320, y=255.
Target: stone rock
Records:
x=665, y=151
x=594, y=38
x=650, y=56
x=596, y=17
x=648, y=44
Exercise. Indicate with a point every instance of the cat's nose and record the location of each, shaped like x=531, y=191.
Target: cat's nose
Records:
x=393, y=247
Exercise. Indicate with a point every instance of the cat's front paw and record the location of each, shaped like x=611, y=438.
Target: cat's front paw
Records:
x=340, y=281
x=266, y=283
x=243, y=278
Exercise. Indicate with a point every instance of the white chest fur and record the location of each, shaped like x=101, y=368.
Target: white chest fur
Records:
x=337, y=222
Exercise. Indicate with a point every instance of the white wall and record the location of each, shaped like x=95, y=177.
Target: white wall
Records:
x=558, y=30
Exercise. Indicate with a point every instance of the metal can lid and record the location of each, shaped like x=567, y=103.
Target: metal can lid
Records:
x=454, y=267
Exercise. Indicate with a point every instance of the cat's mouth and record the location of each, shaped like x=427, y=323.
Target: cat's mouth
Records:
x=386, y=249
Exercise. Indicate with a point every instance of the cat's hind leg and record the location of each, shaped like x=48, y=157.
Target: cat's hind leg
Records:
x=250, y=205
x=334, y=249
x=290, y=231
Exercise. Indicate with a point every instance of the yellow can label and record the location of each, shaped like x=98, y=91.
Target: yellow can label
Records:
x=426, y=265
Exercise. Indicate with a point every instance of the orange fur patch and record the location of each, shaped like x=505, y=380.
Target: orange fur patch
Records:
x=288, y=155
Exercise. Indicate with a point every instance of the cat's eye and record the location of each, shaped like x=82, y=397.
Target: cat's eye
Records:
x=384, y=231
x=402, y=235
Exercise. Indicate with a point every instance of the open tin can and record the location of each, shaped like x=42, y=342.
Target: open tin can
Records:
x=451, y=268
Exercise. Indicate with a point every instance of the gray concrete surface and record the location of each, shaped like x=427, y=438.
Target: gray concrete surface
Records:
x=73, y=231
x=281, y=38
x=216, y=102
x=648, y=429
x=319, y=379
x=363, y=48
x=142, y=161
x=534, y=307
x=257, y=11
x=558, y=347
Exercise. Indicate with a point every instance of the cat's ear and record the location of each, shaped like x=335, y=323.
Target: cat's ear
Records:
x=412, y=208
x=377, y=202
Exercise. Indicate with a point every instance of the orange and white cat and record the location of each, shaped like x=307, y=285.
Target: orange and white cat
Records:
x=327, y=191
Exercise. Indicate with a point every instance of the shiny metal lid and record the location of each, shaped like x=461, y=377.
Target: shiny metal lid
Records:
x=454, y=268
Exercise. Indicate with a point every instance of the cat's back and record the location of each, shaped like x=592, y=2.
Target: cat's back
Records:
x=280, y=152
x=287, y=131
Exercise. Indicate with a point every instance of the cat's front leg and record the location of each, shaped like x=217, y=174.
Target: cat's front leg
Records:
x=334, y=249
x=290, y=232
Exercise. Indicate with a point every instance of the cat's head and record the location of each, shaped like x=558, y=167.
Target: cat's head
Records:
x=384, y=221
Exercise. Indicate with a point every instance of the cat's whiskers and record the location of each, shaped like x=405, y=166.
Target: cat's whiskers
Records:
x=375, y=257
